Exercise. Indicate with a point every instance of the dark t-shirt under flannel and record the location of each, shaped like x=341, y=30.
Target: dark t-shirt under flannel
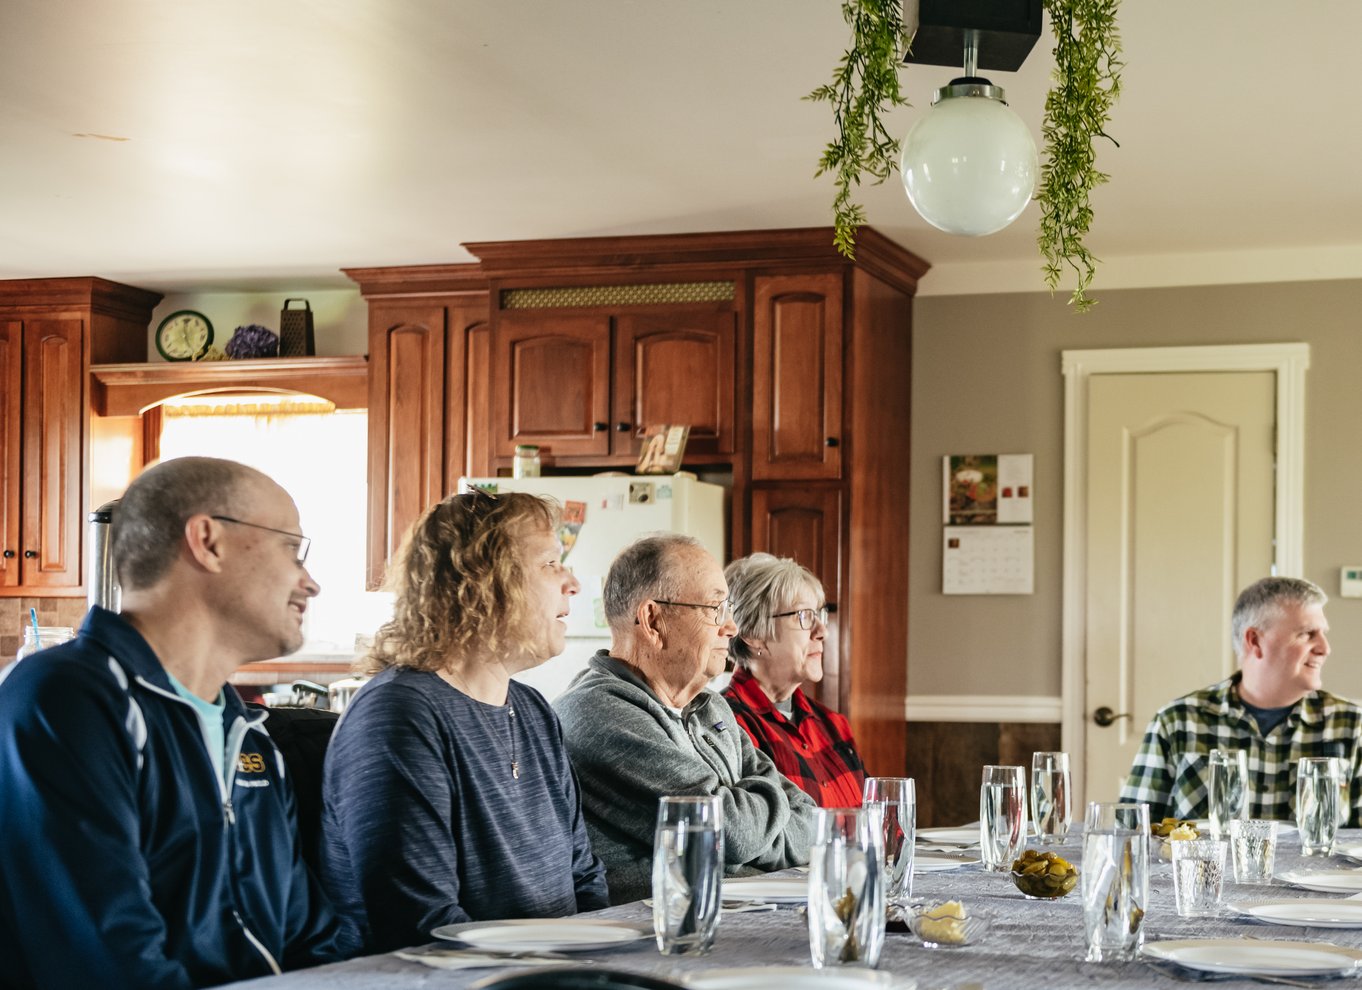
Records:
x=1171, y=771
x=813, y=747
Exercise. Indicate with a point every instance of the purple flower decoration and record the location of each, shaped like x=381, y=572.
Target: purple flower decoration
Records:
x=253, y=341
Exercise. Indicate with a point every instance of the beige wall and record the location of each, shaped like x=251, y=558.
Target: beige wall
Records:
x=986, y=379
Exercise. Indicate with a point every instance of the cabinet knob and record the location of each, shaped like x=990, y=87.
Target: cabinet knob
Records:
x=600, y=427
x=30, y=554
x=622, y=427
x=831, y=442
x=9, y=553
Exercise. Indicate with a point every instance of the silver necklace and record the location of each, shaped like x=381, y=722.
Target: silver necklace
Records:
x=495, y=736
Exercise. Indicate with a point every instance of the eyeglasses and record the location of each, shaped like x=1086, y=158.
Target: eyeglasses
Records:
x=721, y=611
x=805, y=616
x=304, y=544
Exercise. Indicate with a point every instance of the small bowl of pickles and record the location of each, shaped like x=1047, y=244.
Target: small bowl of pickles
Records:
x=1044, y=876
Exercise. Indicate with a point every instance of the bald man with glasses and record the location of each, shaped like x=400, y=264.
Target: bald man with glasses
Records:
x=641, y=724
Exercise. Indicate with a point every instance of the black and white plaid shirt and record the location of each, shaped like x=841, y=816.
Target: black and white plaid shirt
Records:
x=1171, y=770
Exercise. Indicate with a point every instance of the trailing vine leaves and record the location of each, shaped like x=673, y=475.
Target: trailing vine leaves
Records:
x=864, y=85
x=1077, y=109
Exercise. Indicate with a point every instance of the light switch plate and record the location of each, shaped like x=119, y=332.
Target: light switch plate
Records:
x=1350, y=582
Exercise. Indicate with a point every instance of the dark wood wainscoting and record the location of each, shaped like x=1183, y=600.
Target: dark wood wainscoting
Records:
x=945, y=759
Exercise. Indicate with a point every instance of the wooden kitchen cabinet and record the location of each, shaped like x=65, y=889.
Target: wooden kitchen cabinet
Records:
x=551, y=384
x=427, y=369
x=797, y=377
x=589, y=385
x=675, y=367
x=50, y=329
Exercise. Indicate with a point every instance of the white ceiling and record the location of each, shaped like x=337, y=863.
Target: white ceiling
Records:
x=188, y=144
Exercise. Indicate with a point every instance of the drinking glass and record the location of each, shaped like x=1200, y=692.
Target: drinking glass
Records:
x=1115, y=879
x=1002, y=816
x=1198, y=876
x=1227, y=789
x=846, y=888
x=688, y=868
x=1050, y=806
x=896, y=800
x=1253, y=843
x=1316, y=804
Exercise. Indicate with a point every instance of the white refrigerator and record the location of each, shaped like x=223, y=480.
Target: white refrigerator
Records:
x=602, y=515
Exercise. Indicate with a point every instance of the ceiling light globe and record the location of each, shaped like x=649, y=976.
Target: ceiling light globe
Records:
x=970, y=165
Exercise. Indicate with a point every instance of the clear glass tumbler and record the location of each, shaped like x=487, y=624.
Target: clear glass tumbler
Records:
x=688, y=870
x=895, y=798
x=1198, y=876
x=1050, y=802
x=1115, y=879
x=846, y=888
x=1253, y=848
x=1002, y=816
x=1226, y=789
x=1317, y=804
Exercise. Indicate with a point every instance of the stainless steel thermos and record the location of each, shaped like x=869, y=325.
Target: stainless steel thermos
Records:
x=101, y=580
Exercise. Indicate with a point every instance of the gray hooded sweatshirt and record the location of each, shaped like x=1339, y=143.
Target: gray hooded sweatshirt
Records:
x=628, y=749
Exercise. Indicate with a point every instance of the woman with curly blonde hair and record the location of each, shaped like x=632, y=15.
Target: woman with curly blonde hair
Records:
x=447, y=789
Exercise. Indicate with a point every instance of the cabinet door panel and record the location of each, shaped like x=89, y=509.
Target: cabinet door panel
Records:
x=806, y=524
x=551, y=383
x=406, y=424
x=11, y=437
x=797, y=377
x=54, y=412
x=675, y=368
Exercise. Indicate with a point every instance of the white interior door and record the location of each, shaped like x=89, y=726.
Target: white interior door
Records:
x=1180, y=516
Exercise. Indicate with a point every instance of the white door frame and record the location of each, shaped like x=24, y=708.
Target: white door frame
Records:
x=1289, y=363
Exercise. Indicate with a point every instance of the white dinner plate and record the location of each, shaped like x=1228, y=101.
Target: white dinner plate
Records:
x=1309, y=912
x=544, y=934
x=949, y=836
x=1351, y=852
x=795, y=978
x=1248, y=957
x=1326, y=881
x=928, y=863
x=770, y=890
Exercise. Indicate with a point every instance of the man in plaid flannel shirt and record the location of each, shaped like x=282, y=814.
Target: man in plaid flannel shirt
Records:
x=1273, y=708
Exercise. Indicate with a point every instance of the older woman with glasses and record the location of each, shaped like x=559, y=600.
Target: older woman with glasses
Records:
x=447, y=789
x=782, y=622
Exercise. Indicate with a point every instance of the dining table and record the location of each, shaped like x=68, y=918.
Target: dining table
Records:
x=1028, y=943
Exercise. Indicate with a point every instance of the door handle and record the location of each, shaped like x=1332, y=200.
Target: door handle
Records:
x=1105, y=717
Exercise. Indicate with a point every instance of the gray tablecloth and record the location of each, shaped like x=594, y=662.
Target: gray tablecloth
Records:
x=1030, y=944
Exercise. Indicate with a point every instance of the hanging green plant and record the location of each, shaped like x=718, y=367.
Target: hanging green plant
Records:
x=865, y=85
x=1077, y=109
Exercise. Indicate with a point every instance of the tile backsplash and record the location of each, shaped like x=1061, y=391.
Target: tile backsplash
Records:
x=51, y=612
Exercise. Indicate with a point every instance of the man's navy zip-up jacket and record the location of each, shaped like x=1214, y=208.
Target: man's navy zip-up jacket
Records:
x=125, y=861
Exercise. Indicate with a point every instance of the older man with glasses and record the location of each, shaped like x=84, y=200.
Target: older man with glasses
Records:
x=640, y=723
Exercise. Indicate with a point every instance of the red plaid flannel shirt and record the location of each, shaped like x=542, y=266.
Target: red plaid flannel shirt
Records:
x=813, y=748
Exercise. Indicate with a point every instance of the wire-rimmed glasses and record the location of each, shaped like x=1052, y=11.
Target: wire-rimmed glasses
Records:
x=721, y=611
x=304, y=543
x=805, y=616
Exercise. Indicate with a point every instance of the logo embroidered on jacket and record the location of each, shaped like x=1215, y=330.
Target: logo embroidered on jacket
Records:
x=250, y=763
x=719, y=726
